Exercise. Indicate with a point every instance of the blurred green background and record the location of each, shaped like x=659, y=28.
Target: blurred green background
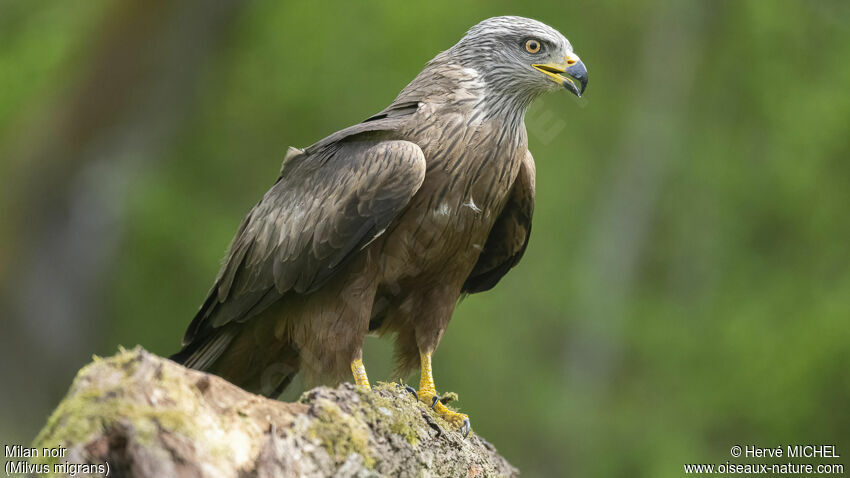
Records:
x=687, y=285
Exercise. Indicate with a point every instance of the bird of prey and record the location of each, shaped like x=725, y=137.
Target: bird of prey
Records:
x=382, y=226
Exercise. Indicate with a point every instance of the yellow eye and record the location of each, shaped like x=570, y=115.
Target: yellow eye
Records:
x=532, y=46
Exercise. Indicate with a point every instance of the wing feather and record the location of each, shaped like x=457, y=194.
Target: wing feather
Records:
x=509, y=236
x=330, y=201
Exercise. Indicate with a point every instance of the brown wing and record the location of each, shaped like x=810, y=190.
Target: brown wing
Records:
x=509, y=235
x=330, y=201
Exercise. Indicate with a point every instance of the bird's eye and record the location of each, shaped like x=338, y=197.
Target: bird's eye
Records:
x=532, y=46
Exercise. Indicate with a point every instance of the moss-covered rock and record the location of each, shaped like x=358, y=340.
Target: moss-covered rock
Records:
x=147, y=416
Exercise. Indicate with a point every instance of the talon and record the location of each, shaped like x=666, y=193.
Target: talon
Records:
x=412, y=390
x=428, y=395
x=466, y=428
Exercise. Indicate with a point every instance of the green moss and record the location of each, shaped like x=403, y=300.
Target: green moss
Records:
x=402, y=420
x=339, y=433
x=406, y=421
x=407, y=432
x=448, y=397
x=85, y=413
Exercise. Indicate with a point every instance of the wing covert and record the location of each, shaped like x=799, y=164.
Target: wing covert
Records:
x=328, y=203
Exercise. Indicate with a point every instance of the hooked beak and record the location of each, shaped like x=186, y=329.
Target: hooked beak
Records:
x=573, y=68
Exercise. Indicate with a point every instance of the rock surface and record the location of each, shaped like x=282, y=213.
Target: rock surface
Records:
x=144, y=416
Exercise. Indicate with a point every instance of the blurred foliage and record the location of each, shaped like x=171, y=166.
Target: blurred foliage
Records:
x=731, y=325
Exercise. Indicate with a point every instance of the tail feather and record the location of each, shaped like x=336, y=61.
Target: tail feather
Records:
x=266, y=369
x=202, y=353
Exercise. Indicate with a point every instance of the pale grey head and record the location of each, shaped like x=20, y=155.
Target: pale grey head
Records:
x=521, y=56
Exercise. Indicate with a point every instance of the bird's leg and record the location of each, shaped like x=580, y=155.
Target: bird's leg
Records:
x=359, y=372
x=428, y=394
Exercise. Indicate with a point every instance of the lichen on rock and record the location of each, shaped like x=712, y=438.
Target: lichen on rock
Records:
x=148, y=416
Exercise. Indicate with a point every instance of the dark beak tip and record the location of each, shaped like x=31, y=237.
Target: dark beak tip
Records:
x=578, y=72
x=575, y=87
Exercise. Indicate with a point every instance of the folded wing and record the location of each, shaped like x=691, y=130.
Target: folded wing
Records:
x=330, y=201
x=509, y=236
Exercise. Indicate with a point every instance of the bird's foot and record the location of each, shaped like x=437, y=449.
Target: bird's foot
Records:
x=457, y=419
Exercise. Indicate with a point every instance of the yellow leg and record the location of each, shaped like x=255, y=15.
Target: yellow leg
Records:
x=428, y=394
x=359, y=372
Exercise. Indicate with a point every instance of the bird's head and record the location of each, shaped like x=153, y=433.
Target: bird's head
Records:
x=521, y=55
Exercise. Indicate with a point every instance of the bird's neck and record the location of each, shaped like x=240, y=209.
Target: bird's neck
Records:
x=445, y=83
